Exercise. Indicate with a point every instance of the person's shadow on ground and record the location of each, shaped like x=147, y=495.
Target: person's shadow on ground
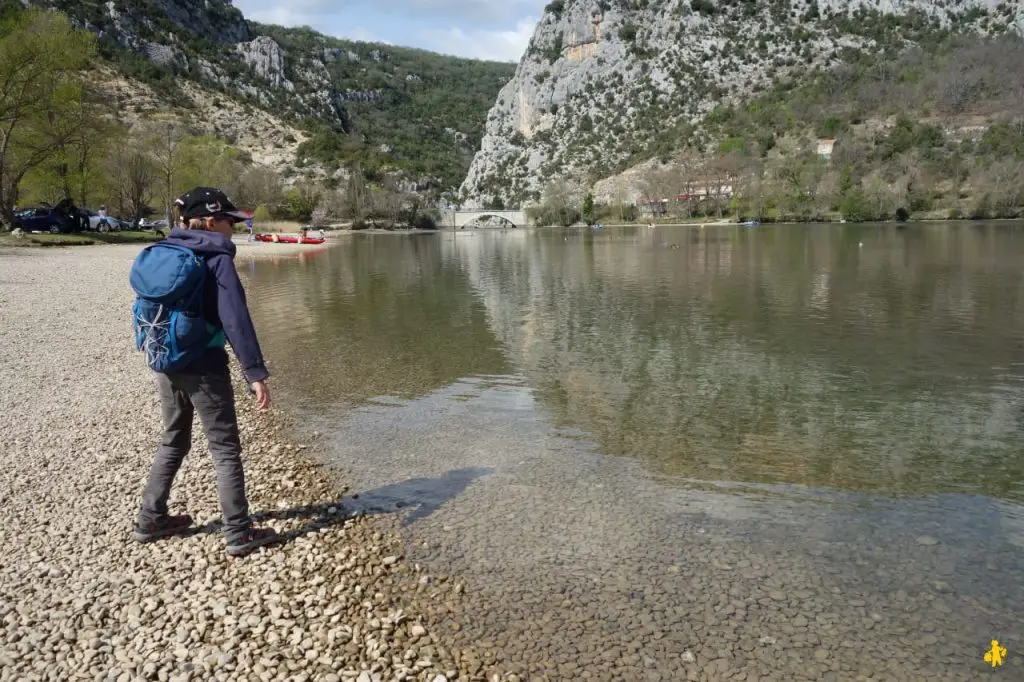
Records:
x=420, y=497
x=416, y=498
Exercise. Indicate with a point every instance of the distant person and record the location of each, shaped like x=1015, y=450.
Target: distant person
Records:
x=103, y=222
x=302, y=234
x=248, y=226
x=196, y=378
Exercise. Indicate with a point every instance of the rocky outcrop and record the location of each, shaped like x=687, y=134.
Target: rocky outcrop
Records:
x=601, y=80
x=165, y=55
x=266, y=60
x=362, y=95
x=293, y=74
x=130, y=21
x=216, y=20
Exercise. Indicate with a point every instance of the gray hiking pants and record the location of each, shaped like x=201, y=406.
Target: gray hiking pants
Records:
x=211, y=395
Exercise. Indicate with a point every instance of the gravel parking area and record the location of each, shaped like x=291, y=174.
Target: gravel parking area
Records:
x=80, y=600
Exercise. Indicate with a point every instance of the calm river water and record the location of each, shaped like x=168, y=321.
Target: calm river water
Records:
x=659, y=454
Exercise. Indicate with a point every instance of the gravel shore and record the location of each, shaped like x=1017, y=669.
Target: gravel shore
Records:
x=80, y=600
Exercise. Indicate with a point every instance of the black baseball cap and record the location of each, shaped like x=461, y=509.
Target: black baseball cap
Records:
x=208, y=201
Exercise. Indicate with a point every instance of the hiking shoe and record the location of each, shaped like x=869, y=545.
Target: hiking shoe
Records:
x=253, y=539
x=166, y=526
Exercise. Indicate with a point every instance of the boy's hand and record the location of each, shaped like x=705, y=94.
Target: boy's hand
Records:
x=262, y=394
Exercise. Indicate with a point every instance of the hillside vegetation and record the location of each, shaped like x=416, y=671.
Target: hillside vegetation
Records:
x=384, y=108
x=409, y=109
x=728, y=99
x=73, y=130
x=937, y=130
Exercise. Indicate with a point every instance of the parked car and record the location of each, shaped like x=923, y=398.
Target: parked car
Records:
x=43, y=219
x=95, y=224
x=158, y=226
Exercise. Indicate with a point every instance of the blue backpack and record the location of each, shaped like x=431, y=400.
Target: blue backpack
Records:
x=168, y=313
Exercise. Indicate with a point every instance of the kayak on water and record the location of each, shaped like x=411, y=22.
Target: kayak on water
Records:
x=287, y=239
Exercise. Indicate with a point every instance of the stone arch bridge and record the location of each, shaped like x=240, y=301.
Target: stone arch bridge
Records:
x=465, y=218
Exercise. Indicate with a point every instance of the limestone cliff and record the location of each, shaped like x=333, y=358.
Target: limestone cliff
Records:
x=376, y=105
x=602, y=82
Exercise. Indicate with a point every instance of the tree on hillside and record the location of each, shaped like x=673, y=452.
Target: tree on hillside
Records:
x=301, y=200
x=206, y=160
x=41, y=96
x=879, y=196
x=1003, y=182
x=387, y=202
x=722, y=177
x=588, y=208
x=620, y=201
x=661, y=182
x=354, y=205
x=828, y=191
x=75, y=169
x=133, y=177
x=79, y=156
x=691, y=174
x=559, y=207
x=164, y=142
x=749, y=191
x=256, y=186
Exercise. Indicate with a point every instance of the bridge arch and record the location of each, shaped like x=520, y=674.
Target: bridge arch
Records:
x=465, y=218
x=475, y=222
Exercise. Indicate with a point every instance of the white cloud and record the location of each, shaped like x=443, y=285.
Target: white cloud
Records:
x=503, y=46
x=365, y=35
x=473, y=10
x=299, y=12
x=477, y=27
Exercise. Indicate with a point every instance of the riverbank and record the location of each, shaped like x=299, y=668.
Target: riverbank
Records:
x=80, y=600
x=8, y=240
x=827, y=221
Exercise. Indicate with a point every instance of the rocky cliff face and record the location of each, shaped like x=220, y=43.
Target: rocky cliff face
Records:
x=168, y=33
x=132, y=21
x=216, y=20
x=602, y=81
x=326, y=86
x=265, y=59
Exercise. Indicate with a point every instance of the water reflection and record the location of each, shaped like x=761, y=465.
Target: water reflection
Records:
x=380, y=315
x=481, y=382
x=842, y=357
x=867, y=357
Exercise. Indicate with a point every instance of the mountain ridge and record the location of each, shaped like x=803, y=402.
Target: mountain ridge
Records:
x=382, y=107
x=604, y=85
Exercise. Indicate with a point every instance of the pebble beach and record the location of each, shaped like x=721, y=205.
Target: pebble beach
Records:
x=79, y=599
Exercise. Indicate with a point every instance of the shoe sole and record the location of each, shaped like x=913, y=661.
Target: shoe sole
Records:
x=150, y=537
x=246, y=550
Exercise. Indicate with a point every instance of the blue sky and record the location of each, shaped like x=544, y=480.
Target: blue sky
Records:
x=482, y=29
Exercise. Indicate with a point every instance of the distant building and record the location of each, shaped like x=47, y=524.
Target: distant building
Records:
x=825, y=148
x=704, y=190
x=652, y=207
x=708, y=188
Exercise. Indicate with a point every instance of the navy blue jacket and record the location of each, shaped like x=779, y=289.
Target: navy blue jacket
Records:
x=224, y=306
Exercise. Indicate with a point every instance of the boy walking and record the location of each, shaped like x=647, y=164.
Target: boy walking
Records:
x=196, y=379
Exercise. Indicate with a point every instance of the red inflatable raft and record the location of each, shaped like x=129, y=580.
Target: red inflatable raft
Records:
x=287, y=239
